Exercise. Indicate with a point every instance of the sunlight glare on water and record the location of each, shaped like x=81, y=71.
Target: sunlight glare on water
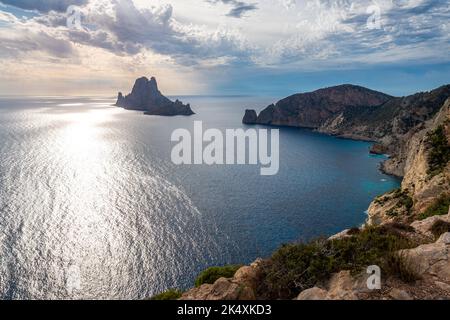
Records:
x=85, y=202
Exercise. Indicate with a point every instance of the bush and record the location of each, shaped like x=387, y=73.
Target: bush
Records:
x=440, y=227
x=439, y=208
x=396, y=227
x=400, y=266
x=171, y=294
x=296, y=267
x=210, y=275
x=439, y=154
x=404, y=200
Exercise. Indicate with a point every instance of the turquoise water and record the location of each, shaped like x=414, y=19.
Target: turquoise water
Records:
x=88, y=192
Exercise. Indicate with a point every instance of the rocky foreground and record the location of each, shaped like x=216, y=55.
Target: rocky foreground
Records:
x=146, y=97
x=407, y=231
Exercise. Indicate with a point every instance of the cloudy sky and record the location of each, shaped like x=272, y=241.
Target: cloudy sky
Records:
x=261, y=47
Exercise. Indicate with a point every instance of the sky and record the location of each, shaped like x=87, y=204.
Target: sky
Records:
x=222, y=47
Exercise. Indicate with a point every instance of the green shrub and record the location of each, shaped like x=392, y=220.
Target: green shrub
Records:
x=439, y=154
x=392, y=213
x=439, y=208
x=210, y=275
x=171, y=294
x=404, y=201
x=296, y=267
x=400, y=266
x=440, y=227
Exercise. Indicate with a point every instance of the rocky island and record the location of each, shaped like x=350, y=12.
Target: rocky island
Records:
x=146, y=97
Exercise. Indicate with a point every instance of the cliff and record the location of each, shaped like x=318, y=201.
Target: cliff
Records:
x=145, y=96
x=427, y=172
x=355, y=112
x=313, y=109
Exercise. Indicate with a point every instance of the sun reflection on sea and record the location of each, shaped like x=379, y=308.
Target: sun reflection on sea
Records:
x=87, y=158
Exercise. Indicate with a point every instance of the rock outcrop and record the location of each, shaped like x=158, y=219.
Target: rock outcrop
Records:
x=432, y=261
x=241, y=287
x=250, y=117
x=313, y=109
x=146, y=97
x=341, y=286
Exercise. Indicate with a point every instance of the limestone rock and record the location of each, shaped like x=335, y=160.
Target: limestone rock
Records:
x=313, y=294
x=222, y=289
x=417, y=184
x=341, y=287
x=424, y=226
x=444, y=239
x=426, y=189
x=248, y=276
x=241, y=287
x=398, y=294
x=432, y=261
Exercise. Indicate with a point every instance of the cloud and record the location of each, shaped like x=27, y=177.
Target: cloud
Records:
x=122, y=28
x=44, y=5
x=304, y=35
x=238, y=9
x=20, y=37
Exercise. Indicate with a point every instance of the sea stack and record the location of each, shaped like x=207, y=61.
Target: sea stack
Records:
x=250, y=117
x=146, y=97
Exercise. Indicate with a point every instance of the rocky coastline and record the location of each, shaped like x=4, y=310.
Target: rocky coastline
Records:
x=358, y=113
x=414, y=219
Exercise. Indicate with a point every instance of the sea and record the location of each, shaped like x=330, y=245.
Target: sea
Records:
x=92, y=207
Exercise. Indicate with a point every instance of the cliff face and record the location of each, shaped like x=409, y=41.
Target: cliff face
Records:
x=146, y=97
x=313, y=109
x=359, y=113
x=423, y=184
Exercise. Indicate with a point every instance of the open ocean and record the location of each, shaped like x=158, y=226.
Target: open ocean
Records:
x=91, y=206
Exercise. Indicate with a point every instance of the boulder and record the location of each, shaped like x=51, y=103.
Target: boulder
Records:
x=424, y=226
x=398, y=294
x=222, y=289
x=313, y=294
x=432, y=261
x=242, y=286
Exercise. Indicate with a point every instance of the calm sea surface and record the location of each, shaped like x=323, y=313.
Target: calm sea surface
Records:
x=92, y=207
